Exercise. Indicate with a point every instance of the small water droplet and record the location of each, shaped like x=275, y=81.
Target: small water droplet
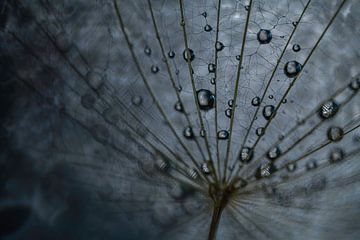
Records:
x=260, y=131
x=188, y=132
x=178, y=107
x=271, y=97
x=206, y=167
x=154, y=69
x=238, y=57
x=231, y=103
x=335, y=134
x=246, y=155
x=292, y=69
x=171, y=54
x=328, y=109
x=255, y=101
x=284, y=101
x=137, y=100
x=219, y=46
x=265, y=170
x=268, y=111
x=274, y=153
x=207, y=28
x=182, y=23
x=312, y=164
x=88, y=100
x=211, y=68
x=204, y=14
x=228, y=112
x=223, y=134
x=355, y=83
x=291, y=167
x=202, y=132
x=296, y=48
x=264, y=36
x=247, y=7
x=213, y=81
x=336, y=155
x=188, y=55
x=295, y=23
x=147, y=50
x=206, y=99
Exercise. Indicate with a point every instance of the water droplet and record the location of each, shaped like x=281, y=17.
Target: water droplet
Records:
x=182, y=23
x=292, y=69
x=154, y=69
x=211, y=68
x=206, y=167
x=94, y=79
x=213, y=81
x=268, y=112
x=193, y=173
x=88, y=100
x=188, y=55
x=228, y=112
x=264, y=36
x=207, y=28
x=335, y=134
x=206, y=99
x=328, y=109
x=178, y=107
x=137, y=100
x=231, y=103
x=147, y=50
x=219, y=46
x=202, y=132
x=179, y=88
x=161, y=163
x=223, y=134
x=238, y=57
x=260, y=131
x=291, y=167
x=204, y=14
x=296, y=48
x=312, y=164
x=336, y=155
x=295, y=23
x=355, y=83
x=247, y=7
x=63, y=42
x=255, y=101
x=265, y=170
x=271, y=97
x=171, y=54
x=274, y=153
x=188, y=132
x=246, y=155
x=284, y=101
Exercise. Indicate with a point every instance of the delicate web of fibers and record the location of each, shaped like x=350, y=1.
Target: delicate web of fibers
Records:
x=84, y=140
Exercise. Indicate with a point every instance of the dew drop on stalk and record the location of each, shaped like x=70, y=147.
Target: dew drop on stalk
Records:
x=211, y=68
x=246, y=155
x=336, y=155
x=207, y=28
x=206, y=99
x=292, y=69
x=223, y=135
x=147, y=50
x=255, y=101
x=231, y=103
x=296, y=48
x=271, y=96
x=204, y=14
x=213, y=81
x=238, y=57
x=188, y=55
x=202, y=133
x=219, y=46
x=188, y=132
x=268, y=111
x=171, y=54
x=206, y=167
x=178, y=107
x=260, y=131
x=228, y=112
x=154, y=69
x=335, y=134
x=137, y=100
x=264, y=36
x=295, y=23
x=274, y=153
x=328, y=109
x=265, y=170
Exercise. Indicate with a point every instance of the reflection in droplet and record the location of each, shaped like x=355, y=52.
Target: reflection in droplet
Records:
x=265, y=170
x=292, y=69
x=206, y=99
x=246, y=155
x=264, y=36
x=223, y=134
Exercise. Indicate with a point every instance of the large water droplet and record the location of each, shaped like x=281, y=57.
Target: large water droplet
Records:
x=154, y=69
x=211, y=68
x=188, y=132
x=219, y=46
x=255, y=101
x=335, y=134
x=188, y=55
x=223, y=134
x=207, y=28
x=265, y=170
x=264, y=36
x=274, y=153
x=171, y=54
x=178, y=107
x=206, y=99
x=238, y=57
x=296, y=48
x=228, y=112
x=328, y=109
x=292, y=69
x=260, y=131
x=268, y=111
x=246, y=155
x=336, y=155
x=137, y=100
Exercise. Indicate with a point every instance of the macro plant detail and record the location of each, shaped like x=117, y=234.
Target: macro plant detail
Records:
x=219, y=119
